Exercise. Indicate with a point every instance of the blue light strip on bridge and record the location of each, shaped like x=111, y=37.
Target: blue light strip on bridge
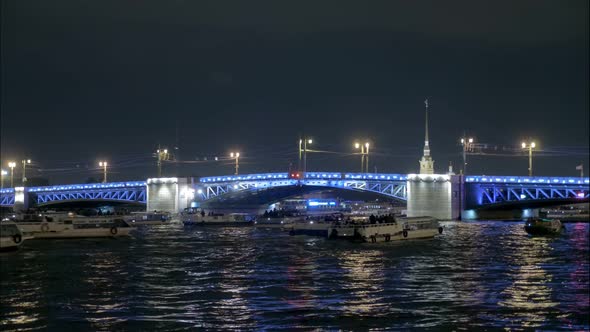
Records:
x=375, y=176
x=108, y=185
x=245, y=177
x=7, y=191
x=526, y=180
x=308, y=175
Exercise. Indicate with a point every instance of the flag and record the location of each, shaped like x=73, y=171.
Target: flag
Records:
x=580, y=167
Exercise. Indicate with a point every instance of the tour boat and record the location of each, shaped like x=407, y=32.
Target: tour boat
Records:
x=540, y=226
x=148, y=218
x=70, y=226
x=316, y=225
x=11, y=237
x=310, y=227
x=268, y=222
x=407, y=228
x=218, y=219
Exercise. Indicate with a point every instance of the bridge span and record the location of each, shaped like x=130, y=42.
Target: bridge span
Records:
x=442, y=195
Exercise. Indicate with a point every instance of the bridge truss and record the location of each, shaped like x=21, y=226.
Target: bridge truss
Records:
x=7, y=197
x=391, y=185
x=132, y=192
x=499, y=190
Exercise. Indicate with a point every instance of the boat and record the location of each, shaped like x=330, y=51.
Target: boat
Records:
x=72, y=226
x=317, y=225
x=148, y=218
x=542, y=226
x=268, y=222
x=310, y=228
x=217, y=219
x=11, y=237
x=407, y=228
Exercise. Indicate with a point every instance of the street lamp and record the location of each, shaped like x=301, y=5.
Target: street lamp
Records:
x=467, y=145
x=529, y=146
x=367, y=152
x=2, y=173
x=364, y=151
x=25, y=162
x=12, y=165
x=162, y=154
x=237, y=156
x=104, y=165
x=362, y=147
x=304, y=142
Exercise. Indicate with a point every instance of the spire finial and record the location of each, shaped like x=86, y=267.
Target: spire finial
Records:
x=426, y=163
x=426, y=124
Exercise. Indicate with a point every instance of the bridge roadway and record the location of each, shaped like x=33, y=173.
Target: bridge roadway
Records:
x=472, y=192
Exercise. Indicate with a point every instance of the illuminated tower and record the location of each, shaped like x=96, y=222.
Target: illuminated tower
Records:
x=426, y=163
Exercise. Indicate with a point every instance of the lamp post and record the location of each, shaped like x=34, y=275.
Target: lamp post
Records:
x=364, y=151
x=237, y=156
x=25, y=162
x=303, y=151
x=2, y=174
x=12, y=165
x=104, y=165
x=300, y=156
x=466, y=142
x=362, y=147
x=530, y=146
x=162, y=154
x=367, y=152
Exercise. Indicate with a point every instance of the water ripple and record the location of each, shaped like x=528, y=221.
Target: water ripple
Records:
x=476, y=275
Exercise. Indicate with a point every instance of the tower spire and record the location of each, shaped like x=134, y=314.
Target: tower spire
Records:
x=426, y=146
x=426, y=163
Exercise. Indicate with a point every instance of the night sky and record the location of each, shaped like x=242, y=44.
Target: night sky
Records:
x=84, y=81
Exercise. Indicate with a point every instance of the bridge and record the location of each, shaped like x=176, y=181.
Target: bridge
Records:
x=130, y=192
x=442, y=194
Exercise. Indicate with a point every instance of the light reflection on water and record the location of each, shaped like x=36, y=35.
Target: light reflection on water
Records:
x=485, y=274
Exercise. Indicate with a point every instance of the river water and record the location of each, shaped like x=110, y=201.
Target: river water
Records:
x=171, y=278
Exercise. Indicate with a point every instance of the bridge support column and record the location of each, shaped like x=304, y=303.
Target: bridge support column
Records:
x=21, y=199
x=435, y=195
x=168, y=194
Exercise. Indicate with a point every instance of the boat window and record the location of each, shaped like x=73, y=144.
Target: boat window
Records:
x=67, y=222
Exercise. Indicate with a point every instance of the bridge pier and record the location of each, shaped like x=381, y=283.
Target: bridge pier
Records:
x=168, y=194
x=435, y=195
x=21, y=199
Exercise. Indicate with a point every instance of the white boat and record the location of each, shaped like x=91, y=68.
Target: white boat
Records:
x=315, y=225
x=401, y=229
x=11, y=237
x=148, y=218
x=279, y=222
x=68, y=226
x=231, y=219
x=310, y=227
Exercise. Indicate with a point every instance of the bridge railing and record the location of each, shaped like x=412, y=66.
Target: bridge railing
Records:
x=527, y=179
x=88, y=186
x=245, y=177
x=308, y=175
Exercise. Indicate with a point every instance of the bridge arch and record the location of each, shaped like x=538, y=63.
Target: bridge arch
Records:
x=272, y=187
x=265, y=196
